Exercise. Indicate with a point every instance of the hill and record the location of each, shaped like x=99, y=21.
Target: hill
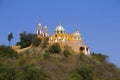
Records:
x=39, y=63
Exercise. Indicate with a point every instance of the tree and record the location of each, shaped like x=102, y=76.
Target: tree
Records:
x=100, y=57
x=55, y=48
x=75, y=76
x=7, y=52
x=44, y=42
x=36, y=74
x=26, y=39
x=46, y=56
x=67, y=53
x=85, y=72
x=36, y=42
x=10, y=36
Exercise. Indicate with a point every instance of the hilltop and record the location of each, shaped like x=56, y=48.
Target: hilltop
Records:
x=34, y=58
x=37, y=57
x=50, y=62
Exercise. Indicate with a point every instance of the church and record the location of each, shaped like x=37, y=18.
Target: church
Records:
x=63, y=38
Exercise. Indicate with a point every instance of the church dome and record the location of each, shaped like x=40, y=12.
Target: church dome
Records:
x=45, y=27
x=77, y=33
x=59, y=28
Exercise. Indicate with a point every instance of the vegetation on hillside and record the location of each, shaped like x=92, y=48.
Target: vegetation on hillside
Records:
x=7, y=52
x=41, y=64
x=26, y=39
x=55, y=48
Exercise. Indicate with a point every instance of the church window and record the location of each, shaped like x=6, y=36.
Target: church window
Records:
x=75, y=38
x=57, y=31
x=61, y=32
x=82, y=49
x=87, y=49
x=56, y=35
x=38, y=32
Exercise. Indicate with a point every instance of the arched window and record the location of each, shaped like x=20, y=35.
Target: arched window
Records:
x=57, y=31
x=75, y=38
x=38, y=32
x=87, y=49
x=56, y=35
x=61, y=32
x=82, y=49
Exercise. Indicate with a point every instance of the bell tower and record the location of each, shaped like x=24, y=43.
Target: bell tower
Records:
x=39, y=30
x=45, y=31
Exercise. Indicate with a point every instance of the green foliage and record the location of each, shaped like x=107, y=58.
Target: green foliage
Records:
x=39, y=64
x=75, y=76
x=8, y=73
x=44, y=42
x=7, y=52
x=100, y=57
x=35, y=74
x=55, y=48
x=26, y=39
x=67, y=53
x=25, y=73
x=85, y=73
x=10, y=36
x=46, y=55
x=36, y=42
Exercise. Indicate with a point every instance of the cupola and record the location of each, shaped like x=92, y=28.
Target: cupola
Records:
x=77, y=35
x=59, y=29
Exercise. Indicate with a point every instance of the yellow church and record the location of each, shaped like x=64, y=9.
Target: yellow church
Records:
x=63, y=38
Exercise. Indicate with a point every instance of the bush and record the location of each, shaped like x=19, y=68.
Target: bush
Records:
x=44, y=43
x=46, y=56
x=26, y=39
x=86, y=73
x=7, y=52
x=35, y=74
x=8, y=73
x=66, y=53
x=75, y=76
x=36, y=42
x=55, y=48
x=100, y=57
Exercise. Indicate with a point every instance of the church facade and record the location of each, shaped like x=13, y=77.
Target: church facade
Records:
x=63, y=38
